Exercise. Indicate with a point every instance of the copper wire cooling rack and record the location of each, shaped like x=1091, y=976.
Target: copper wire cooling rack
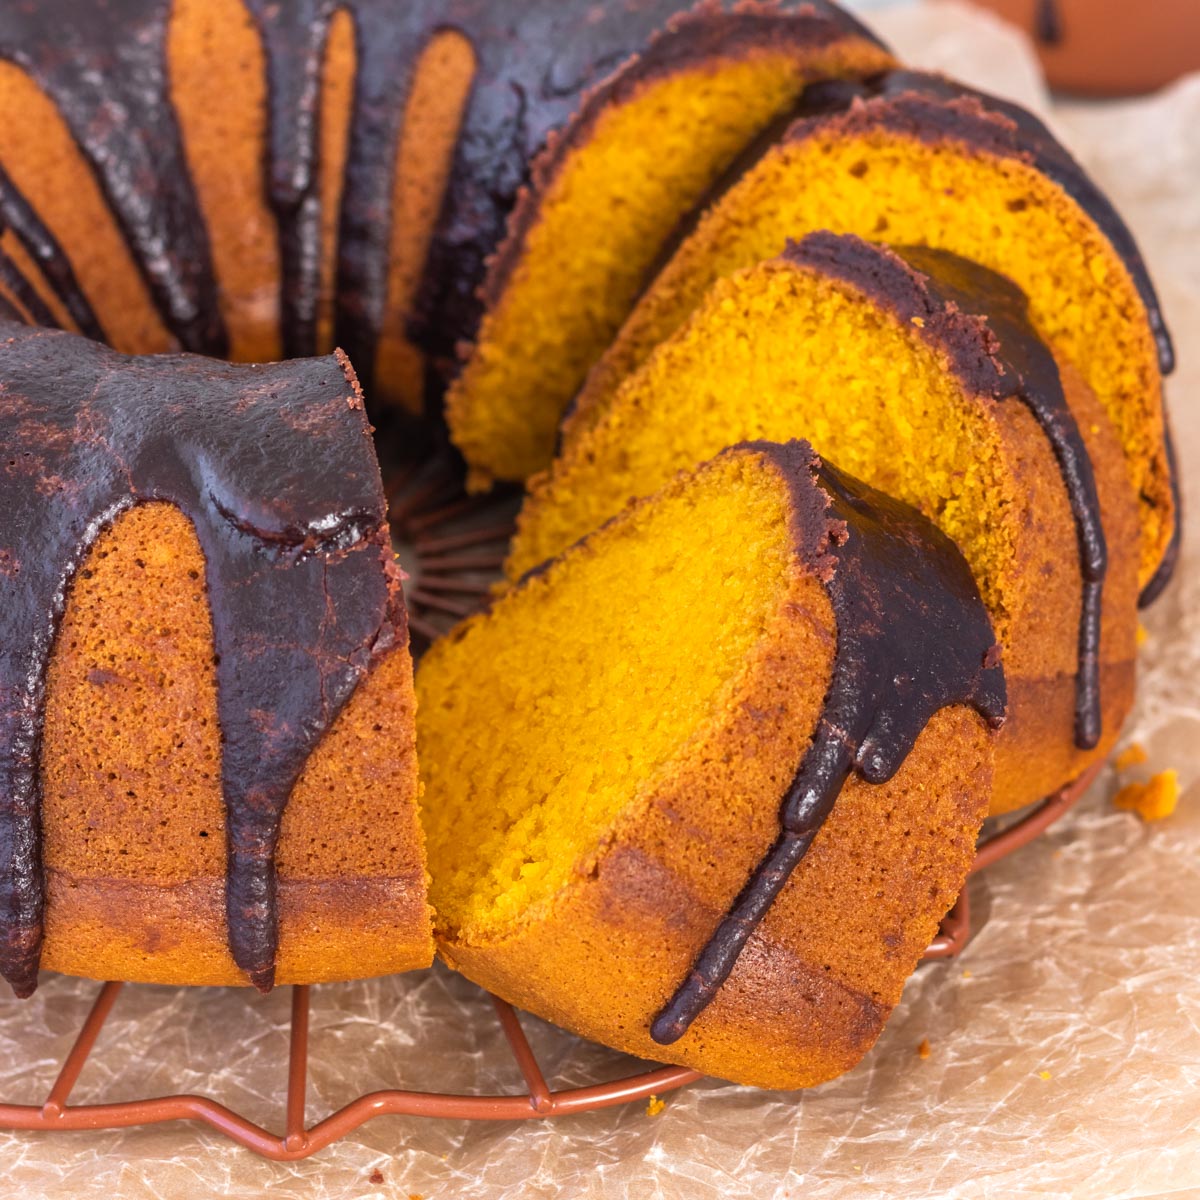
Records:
x=538, y=1099
x=451, y=545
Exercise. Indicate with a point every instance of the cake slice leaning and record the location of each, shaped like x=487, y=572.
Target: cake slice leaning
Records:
x=920, y=373
x=643, y=147
x=912, y=159
x=702, y=787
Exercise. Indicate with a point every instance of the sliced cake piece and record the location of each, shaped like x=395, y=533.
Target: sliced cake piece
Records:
x=702, y=787
x=923, y=161
x=208, y=768
x=922, y=376
x=643, y=148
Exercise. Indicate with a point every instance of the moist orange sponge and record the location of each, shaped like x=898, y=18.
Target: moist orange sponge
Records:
x=920, y=374
x=695, y=700
x=606, y=196
x=915, y=160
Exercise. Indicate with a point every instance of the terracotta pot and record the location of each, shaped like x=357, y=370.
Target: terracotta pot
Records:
x=1109, y=47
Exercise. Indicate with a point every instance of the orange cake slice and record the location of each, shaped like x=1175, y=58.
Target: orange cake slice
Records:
x=728, y=757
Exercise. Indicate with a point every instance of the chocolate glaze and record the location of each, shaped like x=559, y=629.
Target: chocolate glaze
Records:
x=104, y=66
x=913, y=637
x=978, y=319
x=17, y=214
x=103, y=62
x=17, y=285
x=298, y=566
x=1165, y=571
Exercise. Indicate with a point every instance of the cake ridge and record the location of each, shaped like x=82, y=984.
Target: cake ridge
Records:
x=126, y=55
x=303, y=532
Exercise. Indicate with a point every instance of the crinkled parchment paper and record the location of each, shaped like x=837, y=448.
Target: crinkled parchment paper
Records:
x=1065, y=1042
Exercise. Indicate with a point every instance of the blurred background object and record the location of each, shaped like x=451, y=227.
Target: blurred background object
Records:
x=1104, y=47
x=1109, y=47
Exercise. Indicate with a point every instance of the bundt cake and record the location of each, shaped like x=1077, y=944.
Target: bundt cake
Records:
x=729, y=757
x=705, y=777
x=914, y=160
x=920, y=374
x=186, y=798
x=260, y=179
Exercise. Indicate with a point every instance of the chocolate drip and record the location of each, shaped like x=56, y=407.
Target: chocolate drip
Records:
x=19, y=287
x=390, y=42
x=1165, y=571
x=293, y=37
x=106, y=72
x=913, y=637
x=978, y=320
x=1030, y=375
x=297, y=562
x=17, y=214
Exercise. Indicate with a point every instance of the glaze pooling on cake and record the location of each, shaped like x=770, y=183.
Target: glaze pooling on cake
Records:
x=301, y=532
x=941, y=301
x=913, y=638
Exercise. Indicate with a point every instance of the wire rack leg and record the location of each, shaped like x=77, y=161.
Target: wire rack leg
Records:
x=68, y=1075
x=539, y=1090
x=297, y=1137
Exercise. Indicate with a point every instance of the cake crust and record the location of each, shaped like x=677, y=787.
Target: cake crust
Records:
x=293, y=548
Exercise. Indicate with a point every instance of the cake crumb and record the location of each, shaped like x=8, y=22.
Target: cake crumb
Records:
x=966, y=974
x=1132, y=756
x=1152, y=801
x=1143, y=634
x=924, y=1050
x=376, y=1176
x=655, y=1106
x=1045, y=1075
